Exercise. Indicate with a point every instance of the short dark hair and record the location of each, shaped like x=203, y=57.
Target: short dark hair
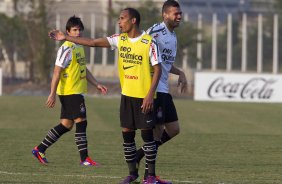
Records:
x=74, y=21
x=169, y=3
x=133, y=13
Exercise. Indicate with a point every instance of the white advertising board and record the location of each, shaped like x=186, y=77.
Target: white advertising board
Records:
x=238, y=87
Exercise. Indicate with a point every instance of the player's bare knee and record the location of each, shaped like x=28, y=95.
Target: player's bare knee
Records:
x=68, y=125
x=173, y=132
x=77, y=120
x=173, y=129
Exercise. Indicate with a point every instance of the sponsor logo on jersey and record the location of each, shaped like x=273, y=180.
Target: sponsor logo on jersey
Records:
x=125, y=49
x=127, y=67
x=168, y=59
x=134, y=77
x=167, y=51
x=128, y=57
x=167, y=56
x=81, y=61
x=145, y=41
x=131, y=56
x=78, y=55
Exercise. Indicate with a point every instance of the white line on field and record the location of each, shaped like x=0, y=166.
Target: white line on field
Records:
x=79, y=175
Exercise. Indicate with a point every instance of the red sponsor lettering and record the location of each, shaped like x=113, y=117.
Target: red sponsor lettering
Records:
x=134, y=77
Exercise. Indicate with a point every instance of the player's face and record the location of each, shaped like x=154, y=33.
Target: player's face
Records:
x=125, y=22
x=75, y=31
x=172, y=16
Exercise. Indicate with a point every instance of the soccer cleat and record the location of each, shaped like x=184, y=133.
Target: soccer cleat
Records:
x=150, y=180
x=89, y=162
x=39, y=155
x=159, y=181
x=129, y=179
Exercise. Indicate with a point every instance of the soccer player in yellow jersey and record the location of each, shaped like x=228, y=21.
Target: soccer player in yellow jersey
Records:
x=69, y=81
x=139, y=72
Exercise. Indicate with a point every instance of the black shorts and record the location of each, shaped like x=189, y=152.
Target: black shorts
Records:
x=131, y=115
x=165, y=109
x=73, y=106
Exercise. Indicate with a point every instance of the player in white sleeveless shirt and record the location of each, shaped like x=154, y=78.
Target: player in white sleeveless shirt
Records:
x=167, y=121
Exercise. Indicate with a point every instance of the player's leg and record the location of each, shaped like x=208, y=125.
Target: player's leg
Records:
x=56, y=132
x=52, y=136
x=129, y=150
x=168, y=126
x=166, y=114
x=150, y=151
x=171, y=130
x=82, y=143
x=146, y=122
x=128, y=134
x=77, y=111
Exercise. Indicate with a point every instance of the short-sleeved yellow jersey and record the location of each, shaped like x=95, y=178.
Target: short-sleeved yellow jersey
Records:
x=73, y=77
x=135, y=70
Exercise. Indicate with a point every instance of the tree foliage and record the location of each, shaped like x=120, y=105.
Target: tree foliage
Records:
x=26, y=34
x=39, y=45
x=11, y=36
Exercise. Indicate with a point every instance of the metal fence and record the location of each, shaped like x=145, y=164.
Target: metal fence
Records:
x=212, y=54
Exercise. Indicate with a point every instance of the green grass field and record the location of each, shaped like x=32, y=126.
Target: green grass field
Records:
x=230, y=143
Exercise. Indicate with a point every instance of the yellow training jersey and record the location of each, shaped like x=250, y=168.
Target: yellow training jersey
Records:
x=134, y=65
x=71, y=58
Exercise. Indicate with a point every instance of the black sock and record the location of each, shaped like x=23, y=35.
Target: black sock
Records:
x=130, y=151
x=52, y=136
x=150, y=150
x=81, y=139
x=165, y=137
x=139, y=155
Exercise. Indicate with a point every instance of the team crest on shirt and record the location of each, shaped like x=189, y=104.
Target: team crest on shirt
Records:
x=145, y=41
x=82, y=108
x=123, y=38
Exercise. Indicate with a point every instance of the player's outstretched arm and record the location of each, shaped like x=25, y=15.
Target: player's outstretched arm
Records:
x=99, y=42
x=182, y=81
